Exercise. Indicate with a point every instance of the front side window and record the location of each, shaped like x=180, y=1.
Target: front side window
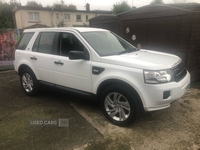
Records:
x=25, y=40
x=34, y=16
x=44, y=42
x=106, y=43
x=70, y=42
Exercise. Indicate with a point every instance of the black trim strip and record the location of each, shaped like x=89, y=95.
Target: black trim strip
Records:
x=71, y=91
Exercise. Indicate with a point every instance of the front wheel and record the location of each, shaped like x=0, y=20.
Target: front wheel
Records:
x=29, y=82
x=119, y=105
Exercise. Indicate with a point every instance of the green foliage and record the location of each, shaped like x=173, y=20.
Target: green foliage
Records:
x=61, y=24
x=33, y=4
x=154, y=2
x=6, y=15
x=71, y=7
x=180, y=1
x=120, y=7
x=64, y=7
x=59, y=6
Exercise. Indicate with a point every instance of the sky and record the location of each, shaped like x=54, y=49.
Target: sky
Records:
x=96, y=4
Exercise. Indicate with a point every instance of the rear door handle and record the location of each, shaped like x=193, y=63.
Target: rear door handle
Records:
x=33, y=58
x=58, y=63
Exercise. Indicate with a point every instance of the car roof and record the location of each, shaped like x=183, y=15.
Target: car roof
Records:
x=79, y=29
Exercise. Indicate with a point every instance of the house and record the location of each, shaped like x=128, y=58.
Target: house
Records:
x=32, y=17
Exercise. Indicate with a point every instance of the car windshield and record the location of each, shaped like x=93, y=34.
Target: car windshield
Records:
x=106, y=43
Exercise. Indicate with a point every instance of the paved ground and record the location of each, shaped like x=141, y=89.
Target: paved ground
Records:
x=177, y=127
x=17, y=110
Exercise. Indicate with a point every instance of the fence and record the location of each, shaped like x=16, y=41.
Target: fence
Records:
x=8, y=40
x=172, y=28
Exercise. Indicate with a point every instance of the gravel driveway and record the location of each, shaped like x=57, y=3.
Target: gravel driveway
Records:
x=177, y=127
x=174, y=128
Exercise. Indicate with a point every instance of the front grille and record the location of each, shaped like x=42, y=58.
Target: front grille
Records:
x=179, y=71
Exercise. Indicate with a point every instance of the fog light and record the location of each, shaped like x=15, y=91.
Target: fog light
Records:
x=166, y=94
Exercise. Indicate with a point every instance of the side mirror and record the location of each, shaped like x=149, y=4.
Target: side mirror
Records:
x=73, y=55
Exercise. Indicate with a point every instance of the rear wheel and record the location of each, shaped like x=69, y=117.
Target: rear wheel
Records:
x=119, y=105
x=29, y=82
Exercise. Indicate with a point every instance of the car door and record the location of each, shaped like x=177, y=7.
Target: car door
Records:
x=41, y=56
x=74, y=74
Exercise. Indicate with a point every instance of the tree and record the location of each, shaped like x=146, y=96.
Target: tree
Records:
x=13, y=2
x=154, y=2
x=6, y=14
x=71, y=7
x=120, y=7
x=33, y=3
x=64, y=7
x=179, y=1
x=61, y=24
x=58, y=6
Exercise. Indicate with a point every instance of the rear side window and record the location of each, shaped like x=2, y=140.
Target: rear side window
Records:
x=44, y=42
x=26, y=37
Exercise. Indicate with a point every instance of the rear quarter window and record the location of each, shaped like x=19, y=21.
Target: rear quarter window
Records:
x=26, y=37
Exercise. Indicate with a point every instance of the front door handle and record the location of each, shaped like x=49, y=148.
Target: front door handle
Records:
x=33, y=58
x=58, y=63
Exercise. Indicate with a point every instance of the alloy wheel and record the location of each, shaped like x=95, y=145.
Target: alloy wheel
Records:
x=117, y=106
x=27, y=82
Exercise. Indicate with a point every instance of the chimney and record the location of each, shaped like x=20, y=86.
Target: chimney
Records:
x=87, y=7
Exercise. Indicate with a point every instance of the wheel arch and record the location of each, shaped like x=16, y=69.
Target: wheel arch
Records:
x=108, y=82
x=32, y=87
x=22, y=67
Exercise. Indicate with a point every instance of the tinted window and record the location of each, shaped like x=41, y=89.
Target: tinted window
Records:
x=25, y=40
x=69, y=42
x=44, y=42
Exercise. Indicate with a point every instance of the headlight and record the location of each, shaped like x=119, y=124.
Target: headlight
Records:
x=159, y=76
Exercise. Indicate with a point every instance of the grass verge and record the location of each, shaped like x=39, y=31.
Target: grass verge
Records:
x=4, y=68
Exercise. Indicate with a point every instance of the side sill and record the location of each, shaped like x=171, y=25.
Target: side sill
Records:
x=71, y=91
x=47, y=83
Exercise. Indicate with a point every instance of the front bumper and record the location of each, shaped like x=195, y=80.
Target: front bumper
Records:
x=153, y=99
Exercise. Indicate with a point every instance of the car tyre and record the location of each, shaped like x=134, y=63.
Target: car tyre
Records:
x=119, y=105
x=29, y=82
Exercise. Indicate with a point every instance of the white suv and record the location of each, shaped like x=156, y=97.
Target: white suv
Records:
x=99, y=64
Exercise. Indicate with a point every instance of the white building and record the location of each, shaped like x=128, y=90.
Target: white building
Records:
x=30, y=17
